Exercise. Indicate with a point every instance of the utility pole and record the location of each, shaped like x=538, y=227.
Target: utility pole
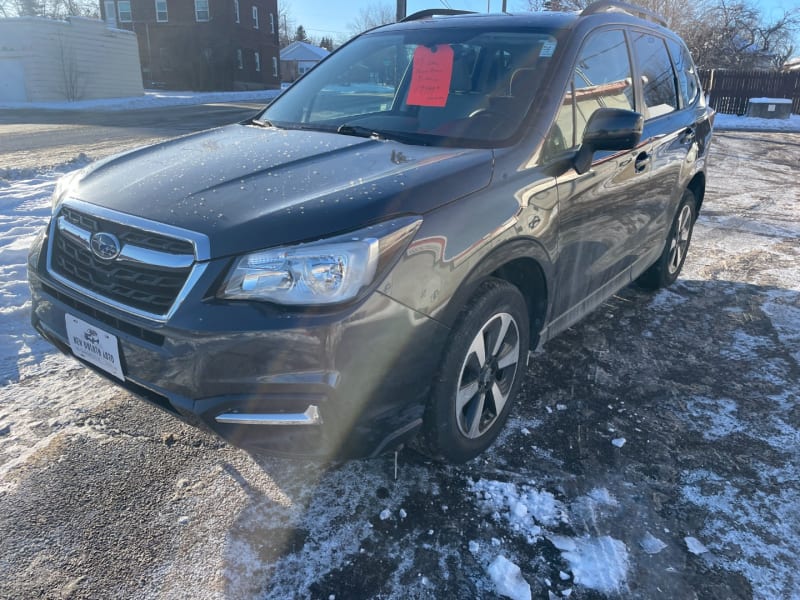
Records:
x=401, y=10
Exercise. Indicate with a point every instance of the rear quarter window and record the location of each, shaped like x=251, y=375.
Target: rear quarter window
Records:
x=657, y=77
x=688, y=84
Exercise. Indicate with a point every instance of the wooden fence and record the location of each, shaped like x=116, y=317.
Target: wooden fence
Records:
x=730, y=90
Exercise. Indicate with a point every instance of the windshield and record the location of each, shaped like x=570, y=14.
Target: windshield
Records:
x=428, y=86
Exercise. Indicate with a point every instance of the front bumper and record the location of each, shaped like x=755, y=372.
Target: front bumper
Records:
x=351, y=382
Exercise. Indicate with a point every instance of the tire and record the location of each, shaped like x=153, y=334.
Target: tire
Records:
x=458, y=426
x=666, y=269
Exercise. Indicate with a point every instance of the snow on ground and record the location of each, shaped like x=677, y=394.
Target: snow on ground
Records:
x=24, y=211
x=736, y=123
x=745, y=529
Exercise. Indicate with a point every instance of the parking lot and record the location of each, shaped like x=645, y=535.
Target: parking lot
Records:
x=654, y=451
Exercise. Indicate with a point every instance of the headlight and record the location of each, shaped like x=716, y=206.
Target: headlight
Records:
x=329, y=271
x=63, y=187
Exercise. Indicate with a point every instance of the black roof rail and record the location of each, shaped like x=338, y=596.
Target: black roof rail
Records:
x=436, y=12
x=617, y=5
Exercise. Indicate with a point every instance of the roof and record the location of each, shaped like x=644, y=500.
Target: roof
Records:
x=550, y=20
x=303, y=51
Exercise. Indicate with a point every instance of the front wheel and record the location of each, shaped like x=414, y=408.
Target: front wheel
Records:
x=480, y=374
x=667, y=268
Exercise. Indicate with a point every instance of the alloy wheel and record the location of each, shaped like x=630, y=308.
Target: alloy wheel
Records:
x=680, y=240
x=487, y=374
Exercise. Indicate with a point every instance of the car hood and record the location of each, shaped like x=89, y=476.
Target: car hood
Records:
x=249, y=187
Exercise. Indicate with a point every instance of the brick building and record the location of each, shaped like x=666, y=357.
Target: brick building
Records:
x=202, y=44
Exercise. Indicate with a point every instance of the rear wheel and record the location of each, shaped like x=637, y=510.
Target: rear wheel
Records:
x=480, y=374
x=667, y=268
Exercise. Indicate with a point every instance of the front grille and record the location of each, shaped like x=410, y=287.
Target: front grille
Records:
x=140, y=332
x=127, y=235
x=146, y=287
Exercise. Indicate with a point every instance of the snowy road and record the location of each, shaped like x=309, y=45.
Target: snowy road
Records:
x=32, y=139
x=655, y=451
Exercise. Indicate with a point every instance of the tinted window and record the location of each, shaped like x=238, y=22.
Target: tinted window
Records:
x=658, y=78
x=687, y=76
x=602, y=78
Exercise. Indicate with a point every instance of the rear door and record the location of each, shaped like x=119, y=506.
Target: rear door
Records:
x=666, y=140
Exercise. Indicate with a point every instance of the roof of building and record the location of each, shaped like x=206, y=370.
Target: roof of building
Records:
x=303, y=51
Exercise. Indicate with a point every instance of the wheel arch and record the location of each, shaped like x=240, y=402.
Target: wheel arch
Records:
x=522, y=263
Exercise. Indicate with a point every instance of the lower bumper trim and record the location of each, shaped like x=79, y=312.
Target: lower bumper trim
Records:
x=311, y=416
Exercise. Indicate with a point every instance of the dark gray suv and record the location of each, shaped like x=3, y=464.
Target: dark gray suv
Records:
x=370, y=259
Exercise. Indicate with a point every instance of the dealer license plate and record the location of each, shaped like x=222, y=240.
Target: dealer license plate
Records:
x=94, y=345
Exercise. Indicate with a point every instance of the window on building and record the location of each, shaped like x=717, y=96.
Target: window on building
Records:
x=111, y=14
x=239, y=59
x=165, y=58
x=255, y=17
x=236, y=10
x=161, y=11
x=124, y=11
x=271, y=23
x=201, y=12
x=274, y=66
x=258, y=61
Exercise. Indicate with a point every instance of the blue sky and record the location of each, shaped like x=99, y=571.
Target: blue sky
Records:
x=330, y=18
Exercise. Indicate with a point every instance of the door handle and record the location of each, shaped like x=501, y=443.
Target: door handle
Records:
x=641, y=162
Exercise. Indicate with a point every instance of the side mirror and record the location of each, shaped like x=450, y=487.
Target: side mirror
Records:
x=608, y=129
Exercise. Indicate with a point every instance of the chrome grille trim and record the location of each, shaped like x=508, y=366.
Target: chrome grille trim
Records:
x=132, y=255
x=129, y=253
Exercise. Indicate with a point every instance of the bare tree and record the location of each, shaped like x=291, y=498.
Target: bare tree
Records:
x=719, y=33
x=286, y=26
x=371, y=16
x=736, y=35
x=54, y=9
x=72, y=80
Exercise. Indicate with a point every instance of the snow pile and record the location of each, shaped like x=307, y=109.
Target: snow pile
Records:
x=508, y=579
x=651, y=544
x=735, y=123
x=597, y=563
x=523, y=507
x=694, y=545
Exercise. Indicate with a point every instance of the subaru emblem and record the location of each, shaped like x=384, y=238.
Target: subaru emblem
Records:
x=105, y=246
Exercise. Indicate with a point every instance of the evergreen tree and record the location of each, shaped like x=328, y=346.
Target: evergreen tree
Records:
x=300, y=34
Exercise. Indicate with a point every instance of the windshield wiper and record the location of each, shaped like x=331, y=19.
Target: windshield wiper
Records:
x=366, y=132
x=261, y=123
x=359, y=131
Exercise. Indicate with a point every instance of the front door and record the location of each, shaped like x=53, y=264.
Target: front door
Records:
x=601, y=224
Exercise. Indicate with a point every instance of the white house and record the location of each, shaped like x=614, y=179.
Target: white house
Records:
x=45, y=60
x=299, y=57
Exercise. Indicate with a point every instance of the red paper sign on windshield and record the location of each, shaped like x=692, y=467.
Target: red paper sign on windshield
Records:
x=430, y=76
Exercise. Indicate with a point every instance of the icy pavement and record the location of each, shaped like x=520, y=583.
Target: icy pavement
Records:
x=655, y=451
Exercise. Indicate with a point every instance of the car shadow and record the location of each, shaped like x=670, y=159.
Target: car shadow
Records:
x=638, y=399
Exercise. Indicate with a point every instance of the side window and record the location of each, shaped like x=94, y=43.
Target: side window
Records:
x=602, y=78
x=687, y=74
x=658, y=78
